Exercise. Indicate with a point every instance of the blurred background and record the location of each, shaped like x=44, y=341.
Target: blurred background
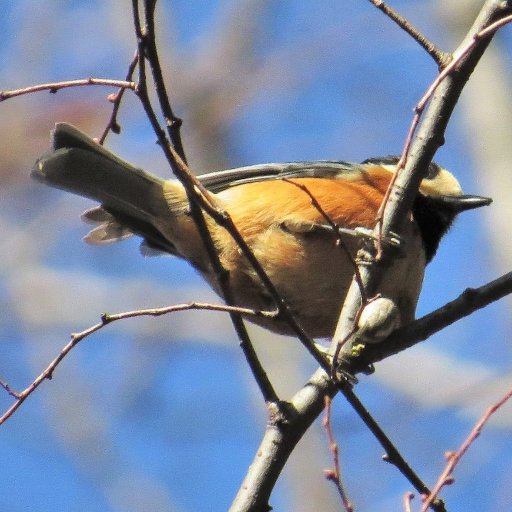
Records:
x=162, y=414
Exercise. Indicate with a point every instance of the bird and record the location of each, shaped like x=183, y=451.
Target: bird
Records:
x=293, y=216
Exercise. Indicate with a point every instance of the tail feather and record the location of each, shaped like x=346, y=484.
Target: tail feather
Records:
x=133, y=197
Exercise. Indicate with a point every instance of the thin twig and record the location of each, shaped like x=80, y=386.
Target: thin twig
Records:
x=334, y=474
x=441, y=58
x=337, y=230
x=53, y=87
x=308, y=402
x=454, y=458
x=116, y=98
x=9, y=390
x=404, y=186
x=172, y=122
x=392, y=455
x=456, y=60
x=357, y=274
x=108, y=319
x=197, y=192
x=278, y=444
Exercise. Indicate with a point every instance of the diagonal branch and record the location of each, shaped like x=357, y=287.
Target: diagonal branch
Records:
x=199, y=196
x=106, y=319
x=279, y=442
x=417, y=157
x=455, y=457
x=441, y=58
x=469, y=301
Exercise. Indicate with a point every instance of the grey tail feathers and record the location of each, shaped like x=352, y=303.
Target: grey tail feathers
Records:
x=132, y=196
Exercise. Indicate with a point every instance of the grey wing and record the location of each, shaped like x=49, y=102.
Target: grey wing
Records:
x=221, y=180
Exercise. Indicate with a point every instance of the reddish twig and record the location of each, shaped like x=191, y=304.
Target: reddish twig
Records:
x=105, y=320
x=334, y=474
x=116, y=98
x=454, y=458
x=53, y=87
x=7, y=388
x=357, y=273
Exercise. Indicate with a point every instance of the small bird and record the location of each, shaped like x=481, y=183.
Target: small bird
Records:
x=272, y=207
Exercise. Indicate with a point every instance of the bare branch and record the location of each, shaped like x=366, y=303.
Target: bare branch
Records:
x=281, y=436
x=197, y=193
x=199, y=199
x=172, y=122
x=53, y=87
x=408, y=497
x=334, y=474
x=441, y=58
x=9, y=390
x=428, y=139
x=337, y=230
x=469, y=301
x=108, y=319
x=277, y=443
x=116, y=100
x=454, y=458
x=392, y=455
x=456, y=60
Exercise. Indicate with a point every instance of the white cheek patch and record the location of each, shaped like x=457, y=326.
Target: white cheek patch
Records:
x=444, y=184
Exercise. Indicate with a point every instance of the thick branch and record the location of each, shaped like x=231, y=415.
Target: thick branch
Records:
x=281, y=437
x=429, y=137
x=279, y=440
x=468, y=302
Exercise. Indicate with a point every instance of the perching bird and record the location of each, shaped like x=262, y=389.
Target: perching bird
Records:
x=287, y=233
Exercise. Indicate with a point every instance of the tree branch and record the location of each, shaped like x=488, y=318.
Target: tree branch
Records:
x=53, y=87
x=416, y=160
x=454, y=458
x=172, y=122
x=469, y=301
x=106, y=319
x=116, y=98
x=200, y=199
x=278, y=443
x=334, y=474
x=441, y=58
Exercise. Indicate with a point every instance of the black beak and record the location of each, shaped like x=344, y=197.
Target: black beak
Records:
x=462, y=203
